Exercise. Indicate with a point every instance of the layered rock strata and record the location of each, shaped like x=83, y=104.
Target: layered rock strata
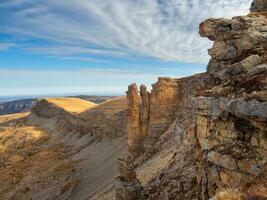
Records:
x=220, y=116
x=127, y=186
x=150, y=114
x=259, y=6
x=231, y=122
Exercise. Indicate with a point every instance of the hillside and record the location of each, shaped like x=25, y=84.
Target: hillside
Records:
x=25, y=105
x=194, y=138
x=17, y=106
x=72, y=105
x=45, y=155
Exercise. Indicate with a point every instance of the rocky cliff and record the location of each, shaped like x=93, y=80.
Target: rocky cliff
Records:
x=191, y=138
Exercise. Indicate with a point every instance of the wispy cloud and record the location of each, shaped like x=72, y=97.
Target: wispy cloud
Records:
x=6, y=46
x=164, y=29
x=74, y=50
x=100, y=72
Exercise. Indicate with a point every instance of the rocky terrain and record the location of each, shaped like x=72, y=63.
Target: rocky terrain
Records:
x=204, y=136
x=194, y=138
x=55, y=152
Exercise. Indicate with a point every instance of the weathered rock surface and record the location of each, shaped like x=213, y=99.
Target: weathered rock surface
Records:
x=213, y=124
x=231, y=122
x=232, y=147
x=127, y=186
x=259, y=6
x=240, y=44
x=133, y=127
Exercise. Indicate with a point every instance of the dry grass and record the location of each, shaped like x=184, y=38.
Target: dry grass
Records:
x=108, y=107
x=40, y=158
x=31, y=168
x=11, y=117
x=73, y=105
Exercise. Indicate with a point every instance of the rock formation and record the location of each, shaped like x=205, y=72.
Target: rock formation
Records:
x=232, y=120
x=133, y=126
x=145, y=110
x=220, y=116
x=127, y=186
x=259, y=6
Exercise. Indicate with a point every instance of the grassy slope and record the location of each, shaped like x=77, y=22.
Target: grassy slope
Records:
x=41, y=149
x=73, y=105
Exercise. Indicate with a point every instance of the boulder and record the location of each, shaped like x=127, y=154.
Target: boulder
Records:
x=259, y=6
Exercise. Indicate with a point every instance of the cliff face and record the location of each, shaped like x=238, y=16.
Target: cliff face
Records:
x=259, y=6
x=231, y=122
x=150, y=114
x=213, y=123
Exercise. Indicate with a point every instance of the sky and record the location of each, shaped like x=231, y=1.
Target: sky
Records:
x=58, y=47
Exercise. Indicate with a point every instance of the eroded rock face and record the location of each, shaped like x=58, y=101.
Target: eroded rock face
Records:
x=259, y=6
x=133, y=126
x=127, y=186
x=163, y=101
x=231, y=134
x=240, y=44
x=220, y=116
x=231, y=119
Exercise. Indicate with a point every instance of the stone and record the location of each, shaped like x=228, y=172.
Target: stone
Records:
x=221, y=160
x=133, y=126
x=127, y=186
x=239, y=43
x=259, y=6
x=145, y=110
x=245, y=65
x=221, y=115
x=258, y=69
x=128, y=190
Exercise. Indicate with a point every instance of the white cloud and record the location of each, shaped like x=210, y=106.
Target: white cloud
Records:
x=164, y=29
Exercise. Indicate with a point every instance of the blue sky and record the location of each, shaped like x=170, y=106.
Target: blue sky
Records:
x=99, y=47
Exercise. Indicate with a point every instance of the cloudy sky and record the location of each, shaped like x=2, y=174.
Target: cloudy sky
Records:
x=91, y=46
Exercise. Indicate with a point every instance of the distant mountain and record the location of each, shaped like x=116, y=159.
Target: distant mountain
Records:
x=17, y=106
x=25, y=105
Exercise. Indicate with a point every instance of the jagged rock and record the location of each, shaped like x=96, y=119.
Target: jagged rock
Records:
x=239, y=44
x=127, y=186
x=145, y=110
x=221, y=115
x=259, y=6
x=133, y=127
x=163, y=102
x=228, y=131
x=231, y=121
x=223, y=107
x=258, y=69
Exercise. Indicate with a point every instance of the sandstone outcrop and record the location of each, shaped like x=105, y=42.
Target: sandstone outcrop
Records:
x=214, y=122
x=259, y=6
x=231, y=122
x=127, y=186
x=133, y=126
x=240, y=44
x=150, y=114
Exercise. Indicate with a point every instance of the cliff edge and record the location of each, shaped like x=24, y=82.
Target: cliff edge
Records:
x=204, y=136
